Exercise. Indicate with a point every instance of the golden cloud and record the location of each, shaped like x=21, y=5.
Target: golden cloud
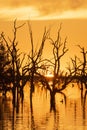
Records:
x=41, y=8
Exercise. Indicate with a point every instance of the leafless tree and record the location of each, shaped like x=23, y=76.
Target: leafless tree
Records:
x=79, y=68
x=59, y=50
x=59, y=81
x=36, y=62
x=4, y=67
x=16, y=62
x=83, y=69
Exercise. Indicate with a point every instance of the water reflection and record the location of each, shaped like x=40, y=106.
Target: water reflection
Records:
x=35, y=113
x=84, y=106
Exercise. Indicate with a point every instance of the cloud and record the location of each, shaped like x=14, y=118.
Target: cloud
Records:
x=41, y=8
x=45, y=3
x=71, y=14
x=19, y=13
x=17, y=3
x=74, y=4
x=62, y=5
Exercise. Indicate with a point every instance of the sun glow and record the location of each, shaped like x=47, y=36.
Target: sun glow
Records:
x=49, y=75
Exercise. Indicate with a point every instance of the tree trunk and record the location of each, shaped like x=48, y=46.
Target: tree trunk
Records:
x=32, y=83
x=52, y=101
x=14, y=96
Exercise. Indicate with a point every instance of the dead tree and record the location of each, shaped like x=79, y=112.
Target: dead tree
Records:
x=79, y=68
x=59, y=50
x=35, y=61
x=59, y=81
x=83, y=70
x=4, y=67
x=76, y=67
x=16, y=62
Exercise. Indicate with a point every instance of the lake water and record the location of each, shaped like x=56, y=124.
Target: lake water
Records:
x=70, y=114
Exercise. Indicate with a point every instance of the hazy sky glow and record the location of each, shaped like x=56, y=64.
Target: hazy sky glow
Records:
x=42, y=9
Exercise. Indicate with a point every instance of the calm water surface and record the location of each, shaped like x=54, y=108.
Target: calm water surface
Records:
x=70, y=114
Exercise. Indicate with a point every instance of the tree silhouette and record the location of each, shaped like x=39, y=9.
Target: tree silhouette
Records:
x=11, y=65
x=4, y=67
x=79, y=68
x=36, y=63
x=59, y=81
x=83, y=69
x=16, y=62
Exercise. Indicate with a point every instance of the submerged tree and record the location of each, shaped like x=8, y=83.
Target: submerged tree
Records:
x=59, y=80
x=16, y=62
x=83, y=68
x=32, y=71
x=35, y=60
x=79, y=68
x=4, y=67
x=59, y=50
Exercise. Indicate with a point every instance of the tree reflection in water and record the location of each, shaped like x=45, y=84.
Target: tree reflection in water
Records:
x=83, y=103
x=36, y=112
